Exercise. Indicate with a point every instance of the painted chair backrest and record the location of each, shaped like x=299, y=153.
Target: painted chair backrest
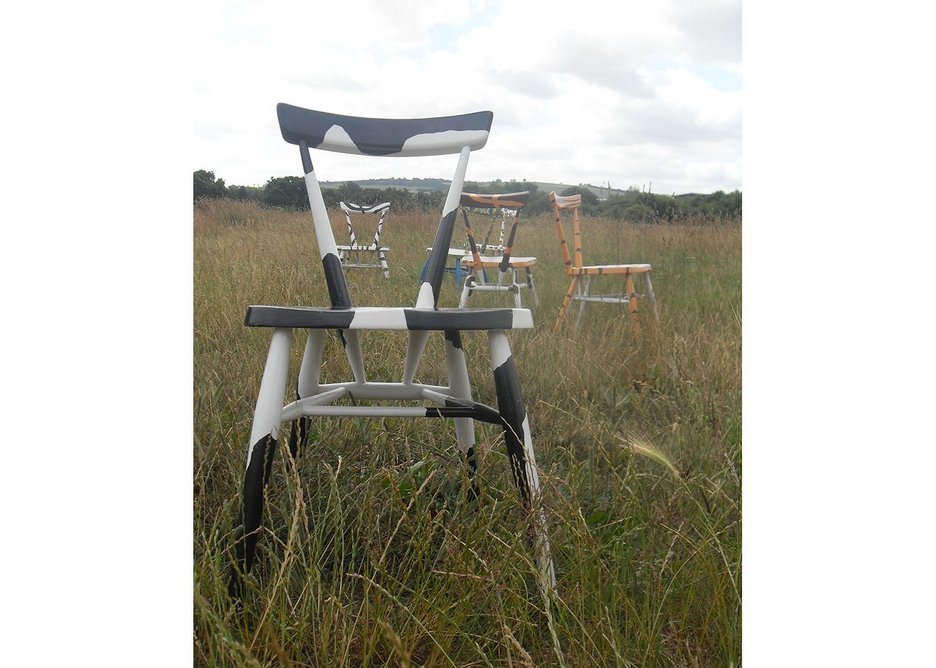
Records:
x=395, y=137
x=571, y=202
x=500, y=203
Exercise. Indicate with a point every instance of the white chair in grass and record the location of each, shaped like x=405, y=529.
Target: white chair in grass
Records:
x=495, y=256
x=581, y=275
x=357, y=255
x=314, y=400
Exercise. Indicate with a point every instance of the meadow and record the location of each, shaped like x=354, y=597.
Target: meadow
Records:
x=371, y=554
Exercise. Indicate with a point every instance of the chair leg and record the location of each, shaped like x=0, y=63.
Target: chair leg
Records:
x=584, y=293
x=309, y=374
x=415, y=345
x=466, y=291
x=565, y=304
x=351, y=340
x=460, y=386
x=422, y=272
x=520, y=447
x=263, y=437
x=652, y=298
x=383, y=264
x=529, y=279
x=632, y=302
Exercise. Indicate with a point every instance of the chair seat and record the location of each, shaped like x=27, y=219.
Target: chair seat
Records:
x=453, y=252
x=389, y=318
x=608, y=269
x=491, y=262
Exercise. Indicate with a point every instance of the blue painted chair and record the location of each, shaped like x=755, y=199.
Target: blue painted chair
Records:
x=455, y=269
x=456, y=135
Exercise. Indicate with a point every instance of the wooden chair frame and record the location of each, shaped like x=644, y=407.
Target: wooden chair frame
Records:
x=477, y=264
x=457, y=135
x=579, y=289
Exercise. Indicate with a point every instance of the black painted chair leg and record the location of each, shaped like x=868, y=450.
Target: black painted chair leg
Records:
x=474, y=491
x=520, y=448
x=513, y=414
x=256, y=477
x=298, y=437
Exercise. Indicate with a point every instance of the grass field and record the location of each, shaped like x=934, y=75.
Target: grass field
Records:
x=370, y=553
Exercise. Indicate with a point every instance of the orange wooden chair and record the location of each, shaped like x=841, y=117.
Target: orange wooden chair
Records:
x=576, y=269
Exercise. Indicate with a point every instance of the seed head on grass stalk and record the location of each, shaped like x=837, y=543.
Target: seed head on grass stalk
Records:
x=641, y=446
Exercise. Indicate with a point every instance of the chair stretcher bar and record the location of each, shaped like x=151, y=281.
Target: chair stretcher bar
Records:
x=449, y=406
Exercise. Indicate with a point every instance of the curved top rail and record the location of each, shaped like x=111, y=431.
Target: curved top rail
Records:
x=503, y=200
x=383, y=136
x=567, y=202
x=351, y=207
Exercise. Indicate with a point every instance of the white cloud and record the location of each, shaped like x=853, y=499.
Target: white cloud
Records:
x=575, y=89
x=710, y=31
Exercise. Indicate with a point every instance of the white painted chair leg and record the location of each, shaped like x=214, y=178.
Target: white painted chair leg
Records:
x=263, y=436
x=272, y=389
x=309, y=373
x=466, y=292
x=460, y=387
x=383, y=264
x=585, y=291
x=352, y=346
x=415, y=345
x=652, y=298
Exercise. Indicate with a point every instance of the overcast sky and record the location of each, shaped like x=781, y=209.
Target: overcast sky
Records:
x=626, y=92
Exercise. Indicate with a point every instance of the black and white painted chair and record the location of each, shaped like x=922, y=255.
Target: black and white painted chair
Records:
x=497, y=256
x=457, y=135
x=357, y=255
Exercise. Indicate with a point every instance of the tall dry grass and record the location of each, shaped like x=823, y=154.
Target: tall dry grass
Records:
x=371, y=554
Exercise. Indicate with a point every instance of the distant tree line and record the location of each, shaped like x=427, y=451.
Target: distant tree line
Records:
x=289, y=192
